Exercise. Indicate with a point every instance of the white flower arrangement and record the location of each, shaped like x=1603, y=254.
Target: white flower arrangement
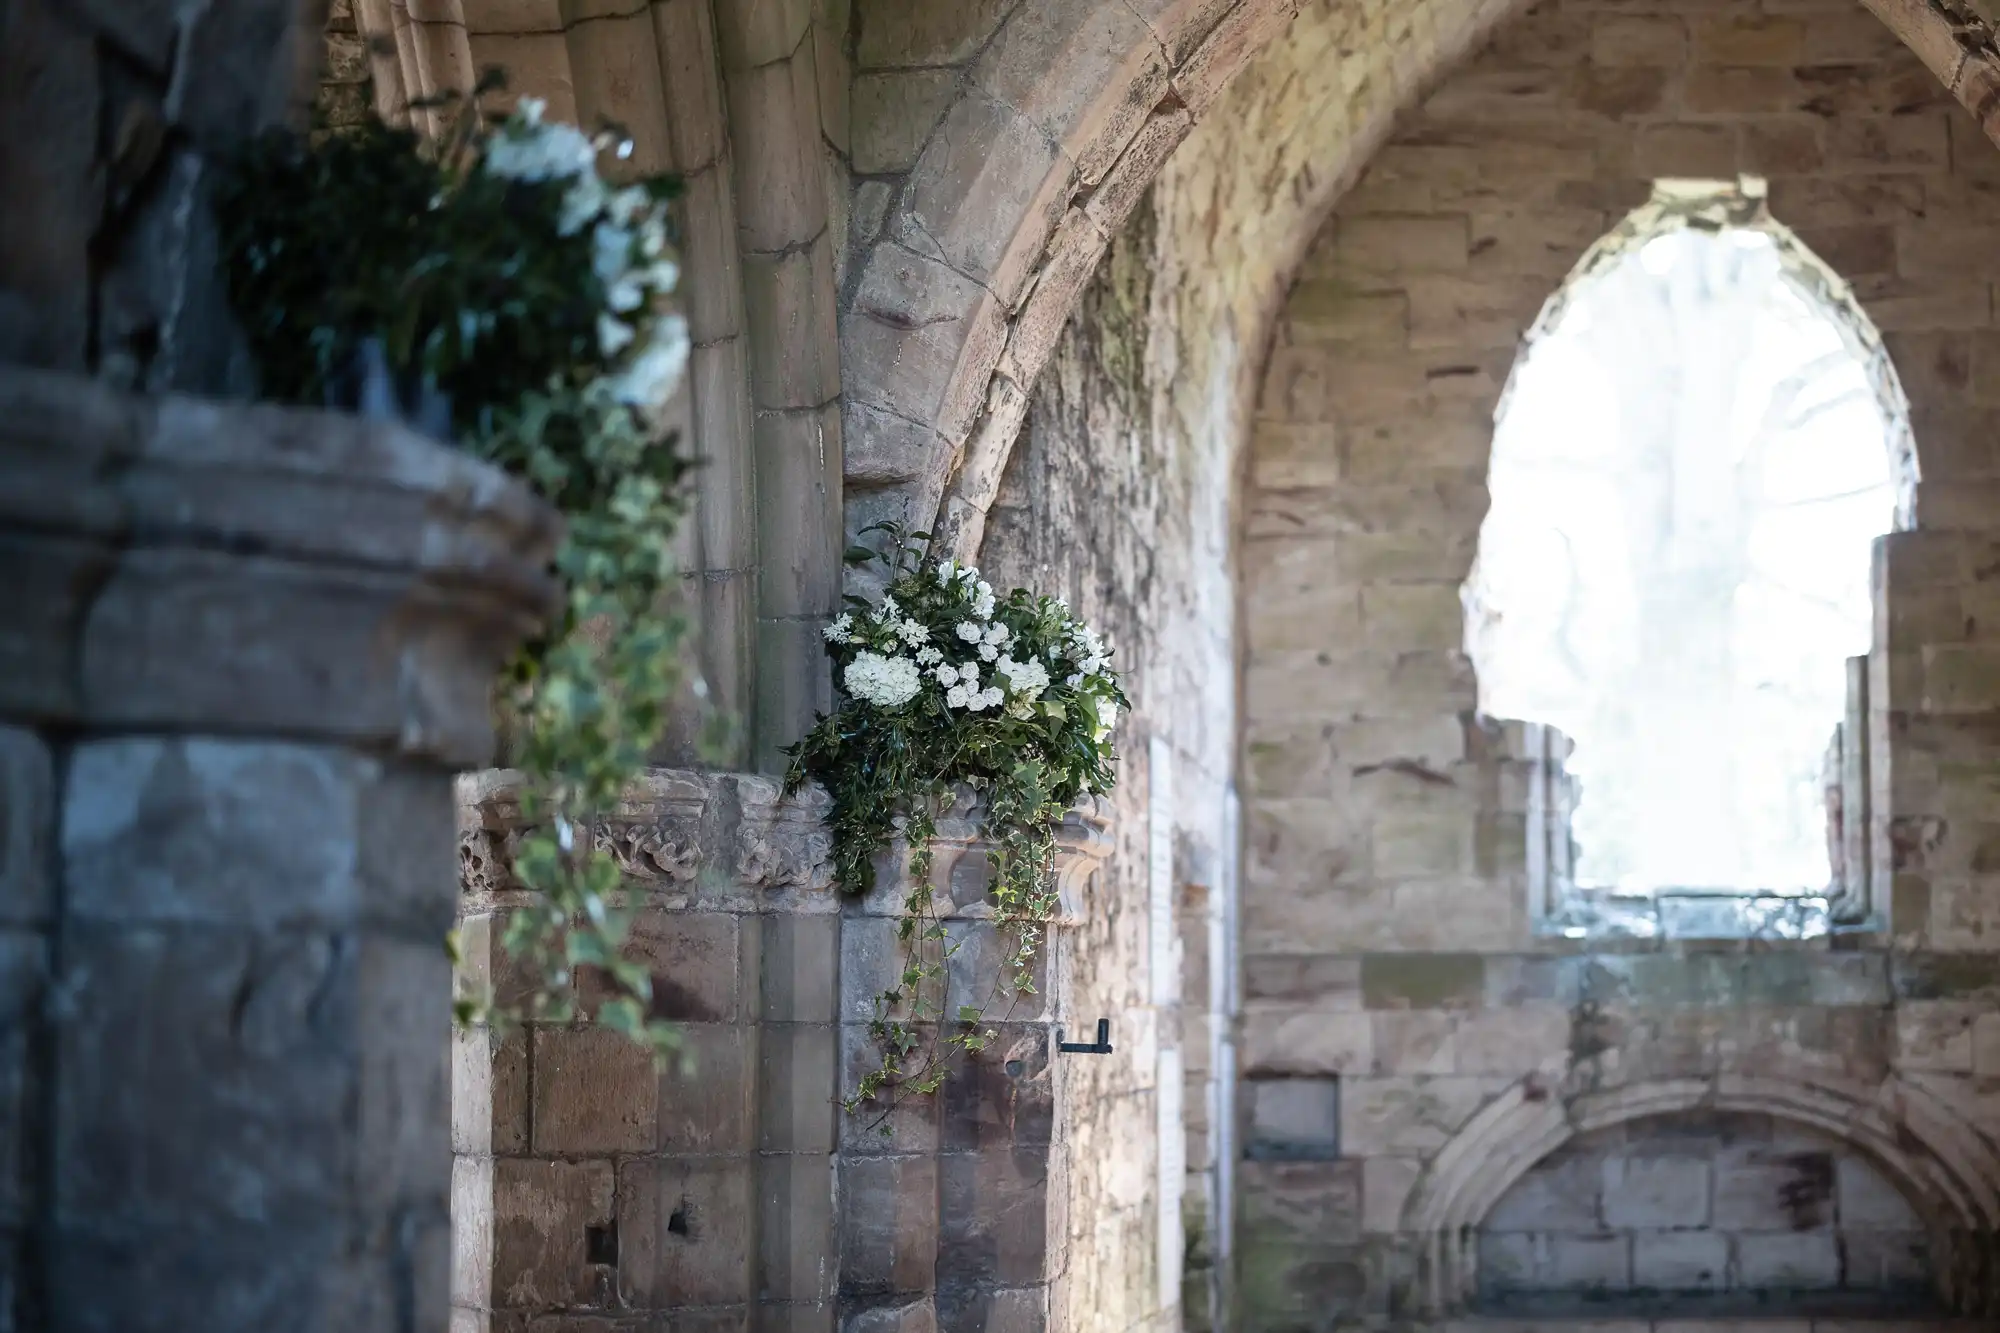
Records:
x=944, y=685
x=645, y=345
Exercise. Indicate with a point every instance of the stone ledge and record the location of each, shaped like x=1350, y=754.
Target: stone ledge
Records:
x=233, y=568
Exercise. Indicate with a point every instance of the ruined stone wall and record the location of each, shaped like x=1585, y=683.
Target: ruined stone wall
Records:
x=1400, y=1023
x=1128, y=521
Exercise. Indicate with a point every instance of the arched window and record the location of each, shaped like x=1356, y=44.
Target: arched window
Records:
x=1695, y=453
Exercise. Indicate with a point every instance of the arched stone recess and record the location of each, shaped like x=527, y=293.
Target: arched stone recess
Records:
x=1946, y=1169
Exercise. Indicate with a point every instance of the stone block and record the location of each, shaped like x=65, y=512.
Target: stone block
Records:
x=1770, y=1189
x=595, y=1092
x=1422, y=981
x=1284, y=1041
x=1408, y=1116
x=1418, y=1041
x=894, y=114
x=543, y=1214
x=1400, y=245
x=706, y=1094
x=987, y=191
x=363, y=853
x=914, y=323
x=774, y=136
x=798, y=1087
x=1590, y=1263
x=1680, y=1260
x=795, y=1229
x=694, y=1217
x=1293, y=1118
x=1508, y=1261
x=1793, y=1261
x=1659, y=1193
x=252, y=1054
x=696, y=962
x=758, y=32
x=903, y=1125
x=1386, y=1183
x=615, y=69
x=27, y=826
x=888, y=1224
x=793, y=340
x=896, y=34
x=1514, y=1040
x=1563, y=1193
x=1002, y=1095
x=1760, y=40
x=1867, y=1202
x=993, y=1218
x=1319, y=1200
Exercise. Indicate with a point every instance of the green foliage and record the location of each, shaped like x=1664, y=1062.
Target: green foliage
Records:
x=945, y=687
x=497, y=266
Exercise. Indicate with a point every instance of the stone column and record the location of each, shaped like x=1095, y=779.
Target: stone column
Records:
x=952, y=1206
x=588, y=1181
x=244, y=649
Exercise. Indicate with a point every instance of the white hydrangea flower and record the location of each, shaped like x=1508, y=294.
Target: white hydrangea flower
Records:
x=1028, y=679
x=887, y=682
x=581, y=203
x=529, y=150
x=613, y=335
x=610, y=253
x=651, y=378
x=970, y=632
x=627, y=204
x=841, y=630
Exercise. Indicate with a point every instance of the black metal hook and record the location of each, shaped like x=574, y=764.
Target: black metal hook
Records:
x=1102, y=1046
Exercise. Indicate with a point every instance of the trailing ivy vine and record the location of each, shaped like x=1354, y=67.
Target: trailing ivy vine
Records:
x=944, y=686
x=495, y=273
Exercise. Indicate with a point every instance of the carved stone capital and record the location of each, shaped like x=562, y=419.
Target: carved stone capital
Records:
x=726, y=840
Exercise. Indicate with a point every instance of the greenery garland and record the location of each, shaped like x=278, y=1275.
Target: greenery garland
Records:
x=944, y=686
x=495, y=272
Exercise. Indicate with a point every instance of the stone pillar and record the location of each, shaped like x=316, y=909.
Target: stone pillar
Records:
x=586, y=1180
x=245, y=648
x=779, y=111
x=952, y=1206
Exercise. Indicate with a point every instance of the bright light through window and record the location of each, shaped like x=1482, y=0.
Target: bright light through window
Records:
x=1689, y=470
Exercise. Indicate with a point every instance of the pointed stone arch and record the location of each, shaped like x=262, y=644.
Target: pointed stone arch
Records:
x=1068, y=112
x=1943, y=1166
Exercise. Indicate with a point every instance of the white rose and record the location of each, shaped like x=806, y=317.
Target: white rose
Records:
x=947, y=674
x=970, y=632
x=987, y=652
x=956, y=696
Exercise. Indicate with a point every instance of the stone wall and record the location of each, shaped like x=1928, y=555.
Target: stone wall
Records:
x=1106, y=507
x=1400, y=1022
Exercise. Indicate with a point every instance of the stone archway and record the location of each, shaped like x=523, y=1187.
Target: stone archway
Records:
x=1070, y=111
x=1946, y=1170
